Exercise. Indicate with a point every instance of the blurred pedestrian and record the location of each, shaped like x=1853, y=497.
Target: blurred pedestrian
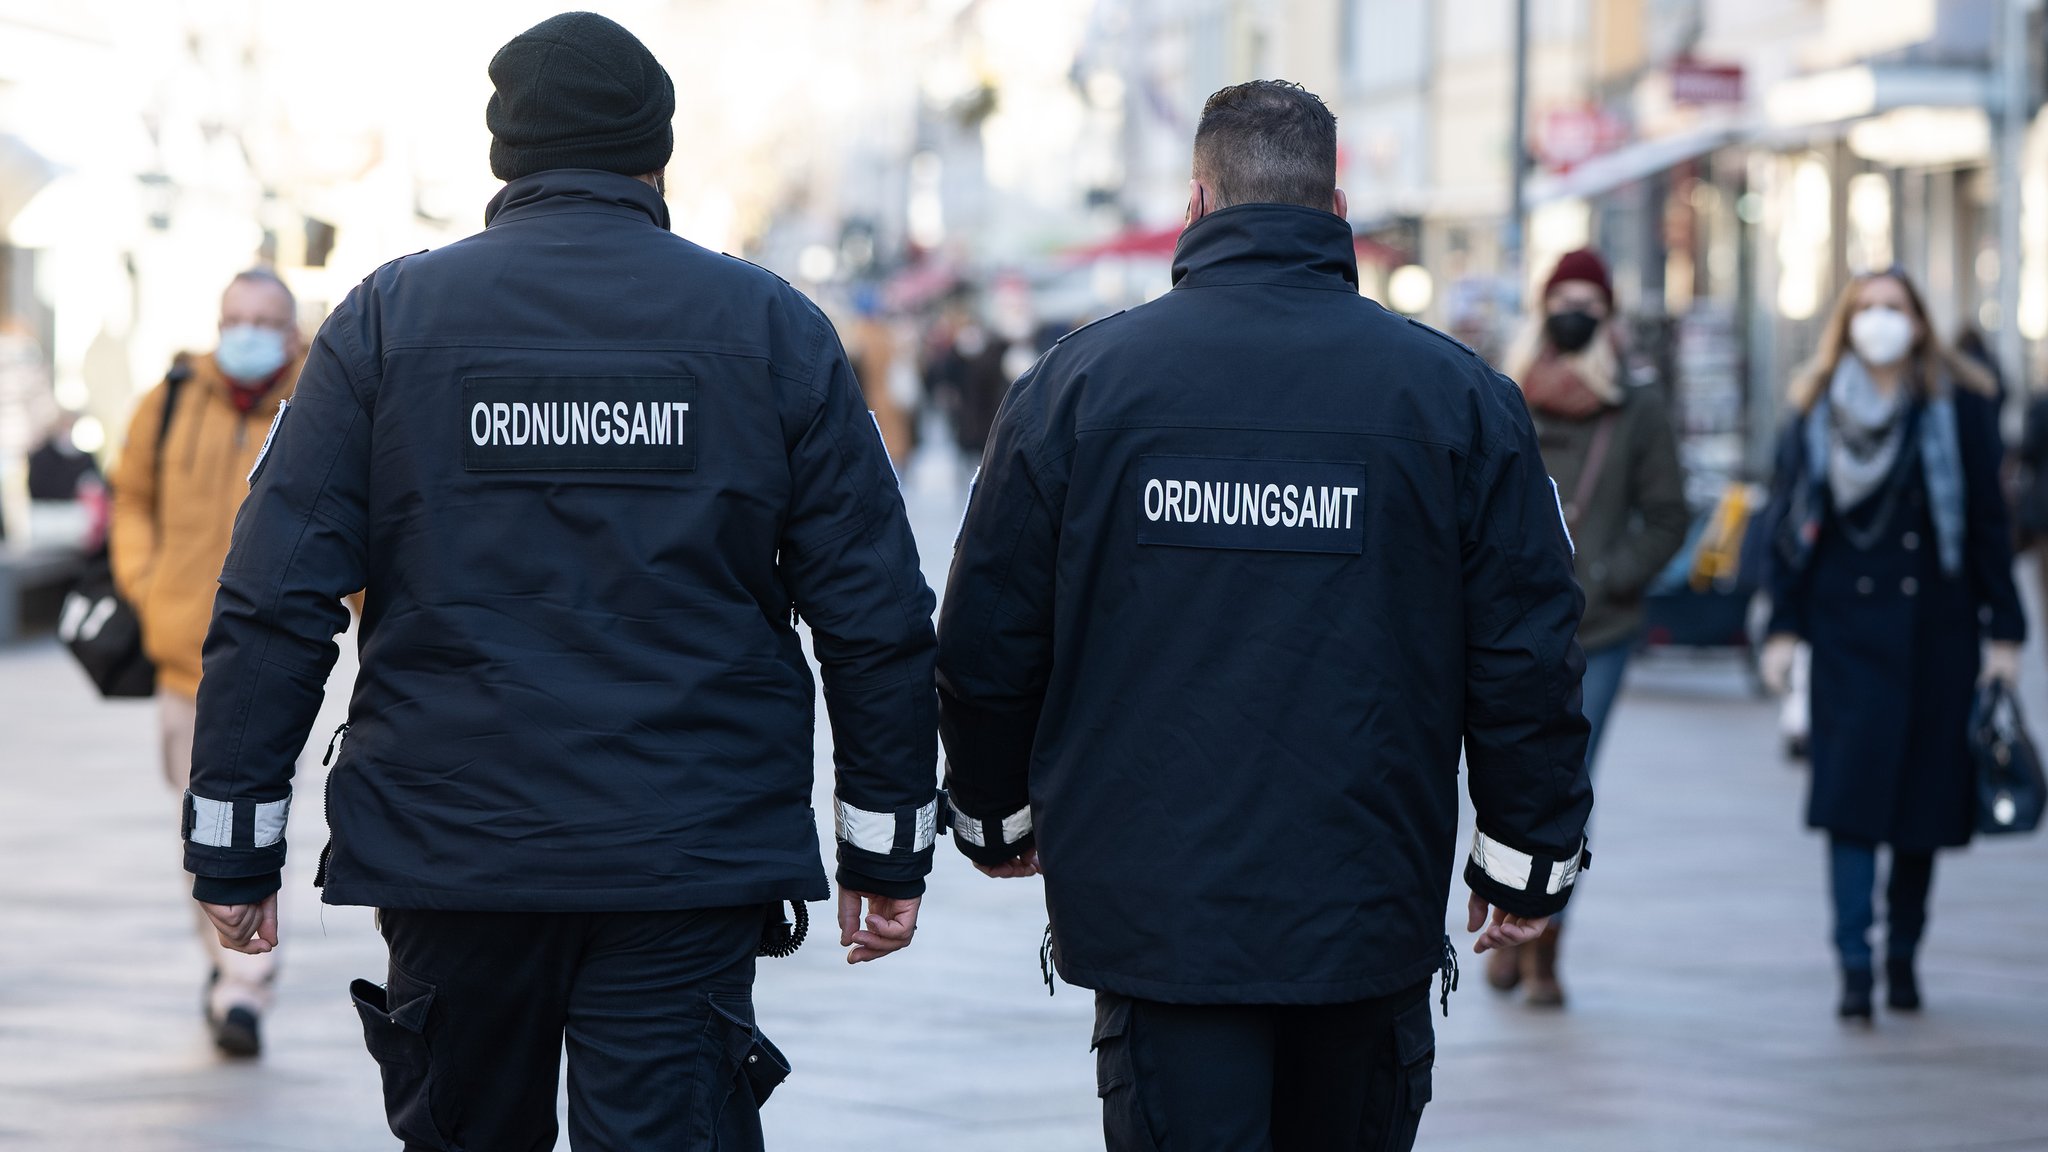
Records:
x=871, y=343
x=1890, y=557
x=1281, y=599
x=578, y=771
x=1611, y=452
x=180, y=479
x=67, y=495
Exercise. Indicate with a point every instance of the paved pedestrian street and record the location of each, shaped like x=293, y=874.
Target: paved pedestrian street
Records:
x=1702, y=987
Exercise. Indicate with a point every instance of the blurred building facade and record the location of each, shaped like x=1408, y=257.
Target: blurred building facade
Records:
x=1736, y=159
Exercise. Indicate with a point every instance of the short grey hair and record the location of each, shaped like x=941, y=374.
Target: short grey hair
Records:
x=264, y=274
x=1267, y=142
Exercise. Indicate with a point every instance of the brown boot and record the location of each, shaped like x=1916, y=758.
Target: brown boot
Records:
x=1504, y=968
x=1539, y=970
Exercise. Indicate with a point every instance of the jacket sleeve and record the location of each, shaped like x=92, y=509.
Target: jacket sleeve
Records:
x=1988, y=535
x=131, y=530
x=851, y=566
x=1525, y=736
x=298, y=548
x=1784, y=584
x=995, y=636
x=1657, y=494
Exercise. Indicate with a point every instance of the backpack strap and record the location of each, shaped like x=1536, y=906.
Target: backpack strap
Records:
x=174, y=383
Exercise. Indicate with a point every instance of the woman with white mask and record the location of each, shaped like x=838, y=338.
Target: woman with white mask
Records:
x=1890, y=556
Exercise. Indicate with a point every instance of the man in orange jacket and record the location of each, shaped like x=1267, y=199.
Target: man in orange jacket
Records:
x=176, y=492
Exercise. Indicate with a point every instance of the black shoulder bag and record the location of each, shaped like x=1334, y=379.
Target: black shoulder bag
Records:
x=2010, y=788
x=97, y=625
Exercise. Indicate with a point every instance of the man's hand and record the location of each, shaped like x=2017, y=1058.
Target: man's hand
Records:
x=890, y=925
x=1014, y=868
x=1505, y=930
x=250, y=928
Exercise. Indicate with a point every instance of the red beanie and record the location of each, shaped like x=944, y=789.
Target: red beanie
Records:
x=1584, y=264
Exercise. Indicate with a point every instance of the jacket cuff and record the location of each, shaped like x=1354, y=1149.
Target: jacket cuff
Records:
x=852, y=880
x=1522, y=883
x=993, y=840
x=229, y=891
x=886, y=853
x=236, y=838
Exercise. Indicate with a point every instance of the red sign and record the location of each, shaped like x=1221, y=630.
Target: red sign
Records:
x=1573, y=135
x=1695, y=83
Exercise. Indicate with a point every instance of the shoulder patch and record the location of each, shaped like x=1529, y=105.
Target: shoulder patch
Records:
x=269, y=438
x=1091, y=324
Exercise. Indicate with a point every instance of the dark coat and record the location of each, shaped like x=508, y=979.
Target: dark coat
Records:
x=588, y=472
x=1897, y=644
x=1244, y=569
x=1635, y=516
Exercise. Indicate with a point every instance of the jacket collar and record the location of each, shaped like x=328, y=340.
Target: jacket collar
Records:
x=575, y=190
x=1283, y=244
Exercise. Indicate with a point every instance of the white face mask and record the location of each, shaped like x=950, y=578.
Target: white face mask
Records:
x=250, y=353
x=1881, y=336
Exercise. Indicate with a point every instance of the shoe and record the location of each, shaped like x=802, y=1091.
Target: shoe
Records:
x=1856, y=987
x=1539, y=970
x=1901, y=984
x=238, y=1032
x=1504, y=968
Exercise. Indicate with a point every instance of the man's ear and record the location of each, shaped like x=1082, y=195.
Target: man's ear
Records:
x=1199, y=201
x=1340, y=205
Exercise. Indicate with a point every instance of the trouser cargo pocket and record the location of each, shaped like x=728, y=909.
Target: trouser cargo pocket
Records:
x=746, y=1068
x=1415, y=1059
x=394, y=1029
x=1124, y=1125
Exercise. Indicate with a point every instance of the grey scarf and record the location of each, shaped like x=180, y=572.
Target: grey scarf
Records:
x=1866, y=430
x=1853, y=473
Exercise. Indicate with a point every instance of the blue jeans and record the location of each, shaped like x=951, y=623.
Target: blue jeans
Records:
x=1602, y=683
x=1852, y=872
x=1604, y=669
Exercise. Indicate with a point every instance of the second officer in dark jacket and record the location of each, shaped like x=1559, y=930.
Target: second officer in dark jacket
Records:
x=589, y=474
x=1244, y=569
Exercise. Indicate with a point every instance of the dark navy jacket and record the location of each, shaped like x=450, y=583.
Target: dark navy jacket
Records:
x=1896, y=641
x=588, y=473
x=1243, y=569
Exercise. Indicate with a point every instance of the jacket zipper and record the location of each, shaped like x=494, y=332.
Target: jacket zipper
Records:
x=327, y=805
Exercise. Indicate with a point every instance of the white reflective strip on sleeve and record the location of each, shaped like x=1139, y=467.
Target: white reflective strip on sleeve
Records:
x=1505, y=865
x=927, y=826
x=1558, y=497
x=270, y=819
x=1566, y=874
x=1017, y=825
x=968, y=828
x=213, y=821
x=868, y=831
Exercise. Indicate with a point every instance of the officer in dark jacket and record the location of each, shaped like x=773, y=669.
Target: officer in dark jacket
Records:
x=589, y=474
x=1243, y=569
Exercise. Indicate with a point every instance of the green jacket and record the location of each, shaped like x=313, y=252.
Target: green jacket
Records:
x=1634, y=518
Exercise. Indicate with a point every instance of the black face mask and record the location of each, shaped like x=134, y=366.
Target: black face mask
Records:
x=1570, y=331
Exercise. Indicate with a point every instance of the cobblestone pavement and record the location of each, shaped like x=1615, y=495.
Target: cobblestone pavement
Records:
x=1697, y=961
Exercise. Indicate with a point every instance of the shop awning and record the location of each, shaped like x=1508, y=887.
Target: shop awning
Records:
x=1630, y=163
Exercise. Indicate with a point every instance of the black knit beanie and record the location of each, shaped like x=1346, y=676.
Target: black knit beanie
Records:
x=579, y=91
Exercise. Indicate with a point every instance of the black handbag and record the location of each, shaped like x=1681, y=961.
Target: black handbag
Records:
x=2011, y=790
x=96, y=624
